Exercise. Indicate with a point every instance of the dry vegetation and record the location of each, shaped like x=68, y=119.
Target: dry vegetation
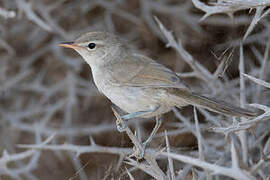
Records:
x=55, y=125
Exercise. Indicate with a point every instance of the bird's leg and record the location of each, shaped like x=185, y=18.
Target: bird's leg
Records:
x=139, y=113
x=154, y=131
x=133, y=115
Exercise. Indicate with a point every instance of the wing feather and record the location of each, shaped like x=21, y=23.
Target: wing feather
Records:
x=140, y=71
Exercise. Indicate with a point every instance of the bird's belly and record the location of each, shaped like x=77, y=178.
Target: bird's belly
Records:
x=135, y=99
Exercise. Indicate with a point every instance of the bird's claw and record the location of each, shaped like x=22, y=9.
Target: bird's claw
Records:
x=121, y=126
x=139, y=152
x=143, y=149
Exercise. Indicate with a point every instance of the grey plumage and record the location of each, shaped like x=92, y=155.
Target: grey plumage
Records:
x=137, y=83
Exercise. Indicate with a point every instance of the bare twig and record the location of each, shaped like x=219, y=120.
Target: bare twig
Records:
x=152, y=167
x=247, y=124
x=171, y=167
x=258, y=81
x=177, y=45
x=233, y=172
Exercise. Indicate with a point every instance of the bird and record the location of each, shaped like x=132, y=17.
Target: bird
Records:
x=137, y=84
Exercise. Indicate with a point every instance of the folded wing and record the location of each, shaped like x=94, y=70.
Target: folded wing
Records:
x=140, y=71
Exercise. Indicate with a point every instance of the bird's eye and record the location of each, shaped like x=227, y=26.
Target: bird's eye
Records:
x=91, y=45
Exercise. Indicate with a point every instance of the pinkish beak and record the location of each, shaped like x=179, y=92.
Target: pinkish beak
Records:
x=71, y=45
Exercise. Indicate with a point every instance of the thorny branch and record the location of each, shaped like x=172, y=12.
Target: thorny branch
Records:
x=45, y=90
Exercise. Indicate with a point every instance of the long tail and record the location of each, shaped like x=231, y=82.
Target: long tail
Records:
x=214, y=105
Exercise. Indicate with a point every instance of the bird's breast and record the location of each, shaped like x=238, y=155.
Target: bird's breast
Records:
x=131, y=99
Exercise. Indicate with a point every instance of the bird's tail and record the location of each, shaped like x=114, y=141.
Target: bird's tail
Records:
x=214, y=105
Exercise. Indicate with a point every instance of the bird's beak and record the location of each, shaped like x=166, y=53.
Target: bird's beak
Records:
x=71, y=45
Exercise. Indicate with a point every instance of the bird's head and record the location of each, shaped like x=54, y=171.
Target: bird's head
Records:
x=97, y=48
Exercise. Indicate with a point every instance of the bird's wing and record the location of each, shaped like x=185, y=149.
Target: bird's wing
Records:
x=140, y=71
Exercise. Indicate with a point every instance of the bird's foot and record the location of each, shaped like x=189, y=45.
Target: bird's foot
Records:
x=143, y=149
x=139, y=150
x=121, y=125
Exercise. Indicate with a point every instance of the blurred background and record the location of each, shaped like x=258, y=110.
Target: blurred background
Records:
x=47, y=90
